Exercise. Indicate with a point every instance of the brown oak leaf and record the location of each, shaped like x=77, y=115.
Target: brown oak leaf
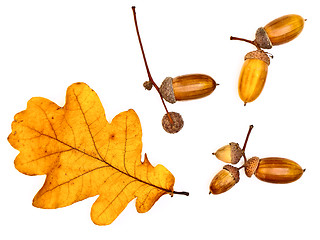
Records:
x=83, y=155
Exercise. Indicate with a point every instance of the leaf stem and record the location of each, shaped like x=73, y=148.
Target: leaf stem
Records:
x=146, y=64
x=180, y=193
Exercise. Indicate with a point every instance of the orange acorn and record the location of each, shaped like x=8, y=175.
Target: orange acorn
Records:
x=253, y=75
x=279, y=31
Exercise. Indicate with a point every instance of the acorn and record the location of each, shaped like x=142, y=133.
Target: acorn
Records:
x=230, y=153
x=187, y=87
x=279, y=31
x=224, y=180
x=253, y=75
x=274, y=169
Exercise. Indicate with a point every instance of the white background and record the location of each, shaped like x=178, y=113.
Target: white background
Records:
x=45, y=46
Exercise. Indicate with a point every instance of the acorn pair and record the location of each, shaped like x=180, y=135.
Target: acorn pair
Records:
x=255, y=68
x=182, y=88
x=271, y=169
x=185, y=87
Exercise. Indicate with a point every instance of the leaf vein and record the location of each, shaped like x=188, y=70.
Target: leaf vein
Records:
x=47, y=118
x=116, y=197
x=48, y=155
x=85, y=119
x=72, y=179
x=125, y=146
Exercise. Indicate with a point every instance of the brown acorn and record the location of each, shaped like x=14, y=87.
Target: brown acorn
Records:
x=230, y=153
x=273, y=169
x=224, y=180
x=187, y=87
x=278, y=170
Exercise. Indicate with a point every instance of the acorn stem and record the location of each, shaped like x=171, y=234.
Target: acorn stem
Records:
x=245, y=143
x=245, y=40
x=241, y=167
x=146, y=64
x=247, y=138
x=245, y=160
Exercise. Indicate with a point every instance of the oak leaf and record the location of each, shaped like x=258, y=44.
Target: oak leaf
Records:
x=83, y=156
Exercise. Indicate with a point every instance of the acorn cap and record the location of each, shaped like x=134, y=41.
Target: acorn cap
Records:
x=236, y=152
x=251, y=166
x=258, y=54
x=166, y=90
x=234, y=172
x=177, y=122
x=262, y=39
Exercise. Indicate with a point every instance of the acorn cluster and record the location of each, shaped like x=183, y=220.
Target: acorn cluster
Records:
x=250, y=85
x=255, y=67
x=271, y=169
